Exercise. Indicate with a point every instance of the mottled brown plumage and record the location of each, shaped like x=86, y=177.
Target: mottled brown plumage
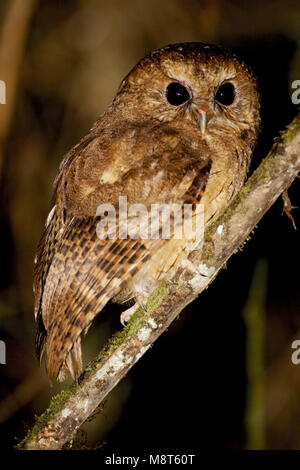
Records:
x=151, y=150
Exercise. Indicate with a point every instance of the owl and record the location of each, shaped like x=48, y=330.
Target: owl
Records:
x=180, y=130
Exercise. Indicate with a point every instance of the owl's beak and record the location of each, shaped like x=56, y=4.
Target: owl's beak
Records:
x=202, y=120
x=201, y=116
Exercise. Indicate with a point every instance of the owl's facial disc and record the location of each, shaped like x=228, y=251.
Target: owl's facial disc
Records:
x=201, y=106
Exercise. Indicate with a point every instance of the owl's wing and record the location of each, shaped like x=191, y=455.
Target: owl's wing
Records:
x=85, y=272
x=45, y=251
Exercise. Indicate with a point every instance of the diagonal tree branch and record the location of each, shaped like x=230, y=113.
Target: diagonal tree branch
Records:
x=71, y=408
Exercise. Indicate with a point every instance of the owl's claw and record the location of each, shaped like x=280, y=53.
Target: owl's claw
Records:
x=127, y=314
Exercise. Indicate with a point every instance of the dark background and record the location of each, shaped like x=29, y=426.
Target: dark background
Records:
x=222, y=376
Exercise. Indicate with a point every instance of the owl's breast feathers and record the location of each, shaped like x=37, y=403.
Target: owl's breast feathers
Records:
x=76, y=273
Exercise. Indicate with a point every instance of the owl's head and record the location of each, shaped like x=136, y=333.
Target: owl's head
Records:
x=201, y=86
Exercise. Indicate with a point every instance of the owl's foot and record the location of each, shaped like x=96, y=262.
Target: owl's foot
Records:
x=127, y=314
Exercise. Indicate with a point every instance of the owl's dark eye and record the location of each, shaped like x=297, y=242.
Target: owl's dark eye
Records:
x=225, y=94
x=177, y=94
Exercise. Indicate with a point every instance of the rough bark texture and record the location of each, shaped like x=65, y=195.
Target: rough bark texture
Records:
x=72, y=407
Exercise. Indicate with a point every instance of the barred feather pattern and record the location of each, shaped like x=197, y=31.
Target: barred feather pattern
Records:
x=82, y=273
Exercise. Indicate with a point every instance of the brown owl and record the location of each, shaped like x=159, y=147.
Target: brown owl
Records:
x=181, y=130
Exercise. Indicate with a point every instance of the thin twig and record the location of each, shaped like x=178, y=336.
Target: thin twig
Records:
x=13, y=40
x=72, y=407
